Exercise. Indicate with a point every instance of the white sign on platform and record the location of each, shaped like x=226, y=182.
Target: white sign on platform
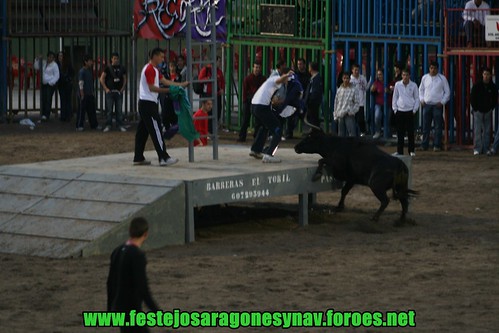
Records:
x=492, y=28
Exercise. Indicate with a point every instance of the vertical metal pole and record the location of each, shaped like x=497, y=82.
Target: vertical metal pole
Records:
x=214, y=75
x=3, y=62
x=188, y=41
x=133, y=74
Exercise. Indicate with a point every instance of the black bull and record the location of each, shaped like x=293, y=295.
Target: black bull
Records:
x=355, y=161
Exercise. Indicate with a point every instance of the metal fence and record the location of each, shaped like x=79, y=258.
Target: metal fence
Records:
x=34, y=27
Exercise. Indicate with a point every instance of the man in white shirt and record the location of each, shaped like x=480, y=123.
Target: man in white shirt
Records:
x=405, y=104
x=474, y=21
x=150, y=121
x=359, y=81
x=434, y=93
x=50, y=76
x=262, y=110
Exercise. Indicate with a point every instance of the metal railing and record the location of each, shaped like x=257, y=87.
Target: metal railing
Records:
x=411, y=19
x=66, y=17
x=309, y=17
x=466, y=29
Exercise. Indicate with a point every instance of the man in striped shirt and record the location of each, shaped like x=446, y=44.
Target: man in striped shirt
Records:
x=150, y=121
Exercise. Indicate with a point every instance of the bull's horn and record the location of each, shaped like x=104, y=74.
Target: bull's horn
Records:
x=311, y=125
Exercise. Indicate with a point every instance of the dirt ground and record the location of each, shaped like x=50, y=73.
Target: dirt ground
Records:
x=254, y=257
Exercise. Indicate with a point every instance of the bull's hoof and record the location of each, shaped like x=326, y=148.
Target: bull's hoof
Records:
x=317, y=176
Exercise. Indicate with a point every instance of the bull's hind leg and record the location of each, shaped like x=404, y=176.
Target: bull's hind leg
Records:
x=404, y=202
x=344, y=191
x=383, y=198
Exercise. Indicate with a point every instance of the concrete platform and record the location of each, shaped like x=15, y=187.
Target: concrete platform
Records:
x=80, y=206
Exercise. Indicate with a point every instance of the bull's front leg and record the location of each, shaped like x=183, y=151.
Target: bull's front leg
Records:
x=318, y=172
x=344, y=191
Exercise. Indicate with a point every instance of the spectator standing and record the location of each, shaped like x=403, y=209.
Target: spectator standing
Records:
x=50, y=77
x=474, y=21
x=378, y=90
x=359, y=81
x=251, y=84
x=65, y=86
x=87, y=95
x=150, y=122
x=405, y=104
x=262, y=110
x=346, y=105
x=201, y=122
x=483, y=101
x=168, y=115
x=182, y=68
x=303, y=76
x=113, y=81
x=434, y=93
x=127, y=286
x=205, y=74
x=313, y=94
x=397, y=76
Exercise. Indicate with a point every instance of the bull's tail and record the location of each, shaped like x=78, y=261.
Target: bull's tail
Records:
x=400, y=184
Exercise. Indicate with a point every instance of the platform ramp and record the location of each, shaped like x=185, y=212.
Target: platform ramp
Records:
x=53, y=213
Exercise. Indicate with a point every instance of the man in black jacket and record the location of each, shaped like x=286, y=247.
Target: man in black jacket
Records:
x=313, y=94
x=127, y=286
x=483, y=101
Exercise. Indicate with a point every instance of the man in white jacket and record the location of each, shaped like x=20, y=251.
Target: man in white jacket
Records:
x=405, y=104
x=50, y=76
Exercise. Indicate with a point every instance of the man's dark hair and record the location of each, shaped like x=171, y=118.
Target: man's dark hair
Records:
x=86, y=58
x=50, y=53
x=115, y=54
x=486, y=69
x=398, y=65
x=347, y=73
x=314, y=66
x=302, y=60
x=280, y=64
x=138, y=227
x=181, y=57
x=434, y=64
x=406, y=70
x=156, y=51
x=257, y=63
x=355, y=65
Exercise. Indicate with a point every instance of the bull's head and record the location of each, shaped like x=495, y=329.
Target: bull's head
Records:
x=312, y=142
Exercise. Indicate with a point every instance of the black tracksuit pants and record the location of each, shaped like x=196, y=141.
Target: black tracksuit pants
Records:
x=149, y=125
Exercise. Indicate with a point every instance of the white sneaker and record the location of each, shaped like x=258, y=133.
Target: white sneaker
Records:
x=169, y=161
x=476, y=152
x=270, y=159
x=413, y=154
x=44, y=118
x=122, y=129
x=376, y=135
x=107, y=129
x=79, y=129
x=396, y=154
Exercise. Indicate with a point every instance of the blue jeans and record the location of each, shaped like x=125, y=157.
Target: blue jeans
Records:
x=114, y=100
x=347, y=126
x=481, y=131
x=269, y=124
x=432, y=113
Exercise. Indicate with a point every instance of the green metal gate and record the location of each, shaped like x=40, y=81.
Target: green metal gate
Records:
x=270, y=31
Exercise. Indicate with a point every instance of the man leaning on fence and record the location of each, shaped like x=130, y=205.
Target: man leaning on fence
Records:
x=50, y=77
